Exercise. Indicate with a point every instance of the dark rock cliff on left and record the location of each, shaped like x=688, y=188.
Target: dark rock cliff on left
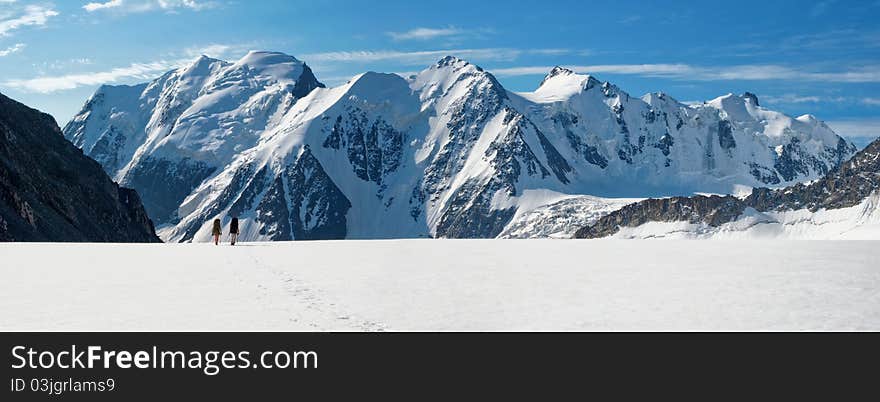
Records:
x=50, y=191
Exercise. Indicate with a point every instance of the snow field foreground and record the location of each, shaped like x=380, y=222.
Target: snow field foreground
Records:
x=443, y=285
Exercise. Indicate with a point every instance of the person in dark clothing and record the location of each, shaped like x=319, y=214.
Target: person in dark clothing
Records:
x=216, y=231
x=233, y=230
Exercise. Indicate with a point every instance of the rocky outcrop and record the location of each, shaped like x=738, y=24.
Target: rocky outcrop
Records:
x=712, y=210
x=845, y=186
x=50, y=191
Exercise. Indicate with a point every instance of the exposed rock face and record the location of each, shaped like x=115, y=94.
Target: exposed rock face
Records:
x=713, y=210
x=50, y=191
x=317, y=206
x=845, y=186
x=373, y=147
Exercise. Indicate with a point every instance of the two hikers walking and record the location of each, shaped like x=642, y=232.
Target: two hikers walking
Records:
x=217, y=230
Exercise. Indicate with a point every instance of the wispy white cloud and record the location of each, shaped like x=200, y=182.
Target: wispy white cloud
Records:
x=754, y=72
x=47, y=84
x=33, y=16
x=12, y=49
x=134, y=71
x=628, y=69
x=631, y=19
x=789, y=99
x=856, y=127
x=190, y=4
x=820, y=8
x=426, y=57
x=140, y=6
x=43, y=67
x=836, y=41
x=425, y=33
x=91, y=7
x=219, y=50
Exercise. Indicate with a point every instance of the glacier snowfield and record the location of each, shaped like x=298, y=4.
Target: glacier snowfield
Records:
x=481, y=285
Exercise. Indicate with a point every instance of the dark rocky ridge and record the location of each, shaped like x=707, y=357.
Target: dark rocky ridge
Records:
x=843, y=187
x=51, y=192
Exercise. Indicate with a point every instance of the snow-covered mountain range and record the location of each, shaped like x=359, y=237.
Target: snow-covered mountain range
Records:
x=447, y=152
x=843, y=204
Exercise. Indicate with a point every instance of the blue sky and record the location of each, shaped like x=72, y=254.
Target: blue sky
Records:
x=819, y=57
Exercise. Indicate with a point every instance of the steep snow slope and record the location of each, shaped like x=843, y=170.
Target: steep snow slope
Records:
x=447, y=152
x=505, y=285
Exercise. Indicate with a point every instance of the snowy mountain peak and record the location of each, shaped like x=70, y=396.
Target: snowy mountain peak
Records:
x=809, y=119
x=562, y=83
x=558, y=71
x=204, y=60
x=379, y=88
x=732, y=100
x=734, y=106
x=752, y=98
x=258, y=58
x=452, y=61
x=659, y=99
x=279, y=66
x=202, y=66
x=454, y=67
x=814, y=122
x=452, y=72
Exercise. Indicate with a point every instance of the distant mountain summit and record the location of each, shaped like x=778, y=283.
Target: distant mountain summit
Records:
x=50, y=191
x=447, y=152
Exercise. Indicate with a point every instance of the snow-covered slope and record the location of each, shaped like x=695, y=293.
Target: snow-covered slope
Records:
x=443, y=285
x=447, y=152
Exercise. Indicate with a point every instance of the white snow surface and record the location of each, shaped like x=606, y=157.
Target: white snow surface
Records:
x=481, y=285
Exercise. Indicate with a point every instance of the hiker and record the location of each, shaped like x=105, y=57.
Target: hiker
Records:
x=233, y=230
x=216, y=231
